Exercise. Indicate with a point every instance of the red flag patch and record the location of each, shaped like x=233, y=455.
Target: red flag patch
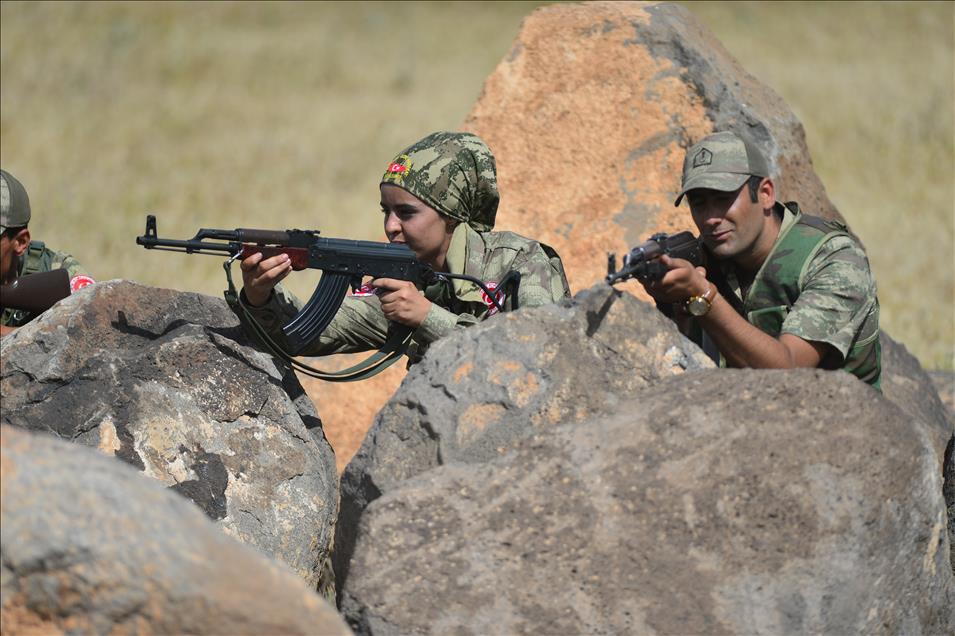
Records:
x=499, y=296
x=79, y=282
x=397, y=167
x=365, y=290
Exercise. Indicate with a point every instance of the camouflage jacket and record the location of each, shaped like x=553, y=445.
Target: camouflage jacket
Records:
x=359, y=324
x=815, y=284
x=40, y=258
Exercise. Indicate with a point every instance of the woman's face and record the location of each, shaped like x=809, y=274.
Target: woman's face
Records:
x=410, y=221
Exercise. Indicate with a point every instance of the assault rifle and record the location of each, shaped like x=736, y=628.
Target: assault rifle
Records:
x=35, y=293
x=642, y=262
x=344, y=262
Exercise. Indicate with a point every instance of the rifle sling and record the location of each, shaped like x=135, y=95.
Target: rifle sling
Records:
x=393, y=348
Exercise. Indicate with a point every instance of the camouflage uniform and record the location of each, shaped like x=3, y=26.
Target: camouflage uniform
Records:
x=40, y=258
x=815, y=283
x=826, y=295
x=15, y=215
x=455, y=174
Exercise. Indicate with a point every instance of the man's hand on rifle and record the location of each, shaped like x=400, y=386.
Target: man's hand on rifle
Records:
x=401, y=301
x=679, y=283
x=260, y=276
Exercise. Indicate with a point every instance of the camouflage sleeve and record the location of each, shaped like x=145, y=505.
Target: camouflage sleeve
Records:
x=440, y=322
x=838, y=294
x=69, y=263
x=542, y=279
x=359, y=324
x=542, y=282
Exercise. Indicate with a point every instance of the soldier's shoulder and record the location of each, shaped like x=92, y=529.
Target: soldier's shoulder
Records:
x=506, y=240
x=43, y=258
x=840, y=264
x=843, y=246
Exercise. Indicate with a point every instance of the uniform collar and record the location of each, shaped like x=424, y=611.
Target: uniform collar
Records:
x=465, y=256
x=729, y=268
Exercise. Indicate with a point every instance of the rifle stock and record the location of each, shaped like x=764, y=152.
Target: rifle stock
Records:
x=37, y=292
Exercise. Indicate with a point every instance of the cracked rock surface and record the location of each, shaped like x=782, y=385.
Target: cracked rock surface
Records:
x=478, y=393
x=90, y=546
x=166, y=382
x=583, y=468
x=718, y=501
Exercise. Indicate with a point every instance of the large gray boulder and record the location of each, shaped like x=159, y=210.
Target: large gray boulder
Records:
x=166, y=382
x=479, y=392
x=718, y=501
x=90, y=546
x=906, y=383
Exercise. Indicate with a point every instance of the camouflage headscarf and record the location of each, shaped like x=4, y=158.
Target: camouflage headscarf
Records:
x=452, y=172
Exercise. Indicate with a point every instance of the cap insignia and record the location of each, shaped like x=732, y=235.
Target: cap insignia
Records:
x=703, y=158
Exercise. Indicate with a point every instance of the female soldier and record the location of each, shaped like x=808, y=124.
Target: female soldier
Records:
x=439, y=197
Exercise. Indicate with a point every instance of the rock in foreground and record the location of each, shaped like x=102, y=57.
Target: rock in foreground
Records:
x=90, y=546
x=480, y=391
x=713, y=502
x=167, y=382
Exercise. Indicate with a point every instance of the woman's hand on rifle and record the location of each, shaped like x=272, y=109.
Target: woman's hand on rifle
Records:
x=260, y=276
x=401, y=301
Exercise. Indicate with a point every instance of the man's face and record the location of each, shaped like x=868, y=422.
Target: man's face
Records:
x=410, y=221
x=11, y=248
x=731, y=225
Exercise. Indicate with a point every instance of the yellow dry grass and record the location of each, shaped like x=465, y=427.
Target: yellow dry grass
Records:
x=283, y=114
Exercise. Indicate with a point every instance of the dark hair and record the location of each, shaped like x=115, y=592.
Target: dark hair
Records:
x=753, y=183
x=10, y=232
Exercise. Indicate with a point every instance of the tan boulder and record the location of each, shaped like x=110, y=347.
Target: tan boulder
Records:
x=591, y=112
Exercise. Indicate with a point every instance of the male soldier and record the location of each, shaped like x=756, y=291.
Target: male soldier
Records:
x=20, y=256
x=439, y=197
x=780, y=289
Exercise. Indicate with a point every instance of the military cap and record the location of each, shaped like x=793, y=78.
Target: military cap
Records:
x=452, y=172
x=14, y=202
x=721, y=161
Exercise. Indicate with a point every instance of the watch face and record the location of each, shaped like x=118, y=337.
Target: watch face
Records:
x=697, y=306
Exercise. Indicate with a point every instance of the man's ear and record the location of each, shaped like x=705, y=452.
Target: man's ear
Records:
x=21, y=242
x=767, y=194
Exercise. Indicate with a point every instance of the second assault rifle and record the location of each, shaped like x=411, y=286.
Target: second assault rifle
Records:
x=344, y=262
x=642, y=262
x=35, y=293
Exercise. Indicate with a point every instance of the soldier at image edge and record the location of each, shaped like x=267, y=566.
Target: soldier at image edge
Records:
x=780, y=289
x=21, y=256
x=440, y=198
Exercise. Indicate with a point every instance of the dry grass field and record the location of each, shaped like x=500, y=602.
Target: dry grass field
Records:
x=283, y=115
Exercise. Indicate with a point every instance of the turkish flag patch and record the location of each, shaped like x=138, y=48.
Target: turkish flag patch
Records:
x=499, y=296
x=79, y=282
x=365, y=290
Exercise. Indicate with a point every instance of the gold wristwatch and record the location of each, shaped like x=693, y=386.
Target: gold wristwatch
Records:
x=700, y=305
